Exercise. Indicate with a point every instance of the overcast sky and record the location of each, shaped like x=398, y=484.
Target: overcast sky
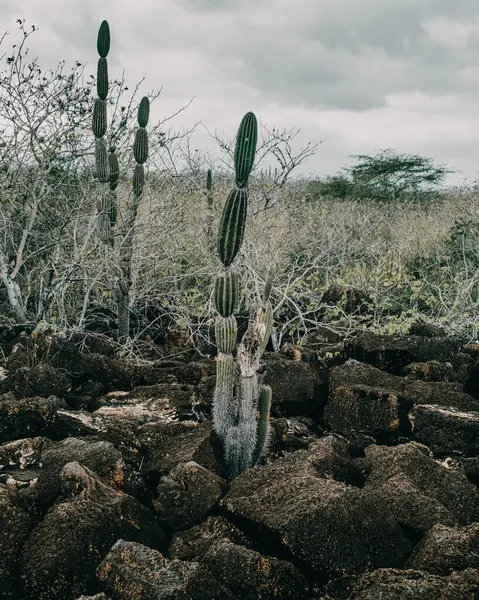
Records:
x=359, y=74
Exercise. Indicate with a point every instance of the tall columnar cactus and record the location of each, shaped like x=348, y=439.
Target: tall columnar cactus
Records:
x=209, y=216
x=237, y=395
x=140, y=152
x=108, y=171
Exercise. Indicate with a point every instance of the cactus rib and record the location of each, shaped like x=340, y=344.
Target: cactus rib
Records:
x=232, y=225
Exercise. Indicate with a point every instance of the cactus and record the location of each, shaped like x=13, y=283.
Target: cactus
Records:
x=210, y=215
x=245, y=149
x=226, y=293
x=232, y=225
x=140, y=152
x=114, y=168
x=103, y=161
x=237, y=395
x=209, y=186
x=140, y=147
x=108, y=171
x=103, y=39
x=143, y=112
x=263, y=433
x=102, y=79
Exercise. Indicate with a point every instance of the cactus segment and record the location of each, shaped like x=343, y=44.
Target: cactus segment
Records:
x=144, y=112
x=267, y=319
x=140, y=146
x=114, y=169
x=138, y=180
x=263, y=428
x=112, y=211
x=99, y=118
x=226, y=331
x=236, y=394
x=245, y=148
x=226, y=293
x=103, y=40
x=232, y=225
x=224, y=410
x=102, y=78
x=101, y=160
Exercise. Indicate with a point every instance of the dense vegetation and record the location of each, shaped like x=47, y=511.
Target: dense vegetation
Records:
x=383, y=227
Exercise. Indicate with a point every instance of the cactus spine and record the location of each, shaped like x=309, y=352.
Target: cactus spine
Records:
x=237, y=395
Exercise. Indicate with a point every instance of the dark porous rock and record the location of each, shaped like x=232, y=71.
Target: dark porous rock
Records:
x=178, y=344
x=60, y=556
x=167, y=445
x=446, y=549
x=446, y=430
x=472, y=384
x=323, y=335
x=428, y=330
x=112, y=373
x=395, y=584
x=339, y=588
x=96, y=343
x=118, y=422
x=10, y=335
x=16, y=522
x=412, y=508
x=187, y=495
x=333, y=528
x=433, y=370
x=351, y=299
x=193, y=372
x=363, y=398
x=353, y=372
x=471, y=469
x=250, y=575
x=393, y=353
x=290, y=434
x=22, y=454
x=295, y=386
x=39, y=380
x=132, y=571
x=28, y=417
x=358, y=442
x=450, y=488
x=20, y=461
x=100, y=457
x=330, y=457
x=373, y=411
x=192, y=544
x=439, y=393
x=173, y=395
x=20, y=355
x=329, y=357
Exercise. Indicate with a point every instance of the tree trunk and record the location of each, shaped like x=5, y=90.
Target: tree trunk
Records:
x=13, y=291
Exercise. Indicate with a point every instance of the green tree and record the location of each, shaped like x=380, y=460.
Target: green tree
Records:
x=385, y=176
x=388, y=176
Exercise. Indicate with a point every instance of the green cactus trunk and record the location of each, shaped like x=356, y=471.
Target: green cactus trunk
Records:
x=108, y=172
x=209, y=215
x=237, y=395
x=140, y=152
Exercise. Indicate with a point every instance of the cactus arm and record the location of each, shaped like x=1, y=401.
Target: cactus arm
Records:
x=263, y=431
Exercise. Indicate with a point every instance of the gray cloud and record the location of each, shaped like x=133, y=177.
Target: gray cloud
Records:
x=363, y=73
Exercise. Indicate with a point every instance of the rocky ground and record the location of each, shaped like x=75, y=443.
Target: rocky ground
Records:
x=111, y=482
